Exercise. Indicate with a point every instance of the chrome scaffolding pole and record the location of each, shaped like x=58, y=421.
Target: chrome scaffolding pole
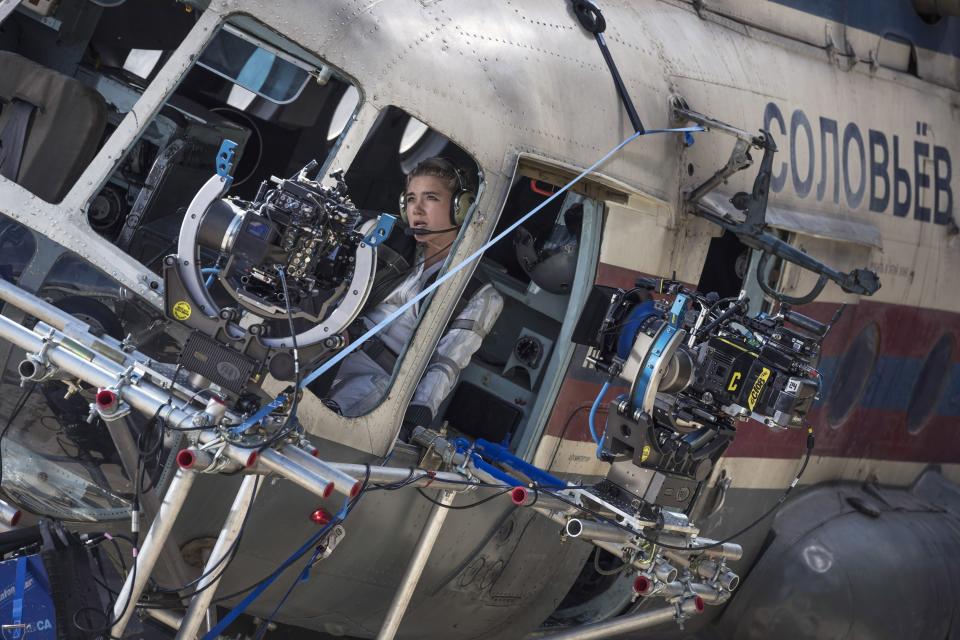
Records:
x=628, y=623
x=213, y=571
x=415, y=569
x=148, y=553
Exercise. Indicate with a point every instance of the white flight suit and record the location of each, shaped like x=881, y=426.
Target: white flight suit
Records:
x=361, y=383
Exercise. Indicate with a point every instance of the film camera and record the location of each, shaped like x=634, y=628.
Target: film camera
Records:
x=295, y=266
x=696, y=367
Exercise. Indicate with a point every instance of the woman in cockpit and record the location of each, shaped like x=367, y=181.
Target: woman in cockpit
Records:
x=433, y=205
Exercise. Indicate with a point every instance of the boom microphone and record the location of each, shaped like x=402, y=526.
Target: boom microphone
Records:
x=420, y=231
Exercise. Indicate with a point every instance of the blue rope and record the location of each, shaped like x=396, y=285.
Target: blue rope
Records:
x=356, y=344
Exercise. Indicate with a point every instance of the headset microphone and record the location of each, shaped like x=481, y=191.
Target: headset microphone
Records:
x=419, y=231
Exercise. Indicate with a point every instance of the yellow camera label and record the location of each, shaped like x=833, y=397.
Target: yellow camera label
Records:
x=758, y=388
x=182, y=310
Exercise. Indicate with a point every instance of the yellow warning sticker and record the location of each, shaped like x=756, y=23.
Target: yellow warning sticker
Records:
x=182, y=310
x=758, y=388
x=645, y=453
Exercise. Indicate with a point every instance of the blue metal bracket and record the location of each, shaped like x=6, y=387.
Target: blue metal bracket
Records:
x=382, y=231
x=679, y=310
x=225, y=159
x=502, y=455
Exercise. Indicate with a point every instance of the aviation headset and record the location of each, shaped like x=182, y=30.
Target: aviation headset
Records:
x=462, y=199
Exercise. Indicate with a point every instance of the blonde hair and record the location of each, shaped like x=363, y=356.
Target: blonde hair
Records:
x=454, y=179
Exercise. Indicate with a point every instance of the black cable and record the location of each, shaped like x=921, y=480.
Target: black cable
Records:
x=154, y=450
x=464, y=506
x=226, y=559
x=134, y=542
x=607, y=572
x=291, y=416
x=107, y=615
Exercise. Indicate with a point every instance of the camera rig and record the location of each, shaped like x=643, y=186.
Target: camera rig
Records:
x=298, y=255
x=695, y=367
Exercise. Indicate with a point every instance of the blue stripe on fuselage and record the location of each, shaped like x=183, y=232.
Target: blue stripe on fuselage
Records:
x=886, y=17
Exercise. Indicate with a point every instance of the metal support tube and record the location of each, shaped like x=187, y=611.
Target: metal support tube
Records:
x=391, y=475
x=415, y=569
x=710, y=595
x=165, y=617
x=664, y=571
x=677, y=558
x=590, y=530
x=9, y=514
x=296, y=473
x=343, y=482
x=629, y=623
x=729, y=550
x=152, y=546
x=96, y=371
x=35, y=306
x=523, y=497
x=196, y=612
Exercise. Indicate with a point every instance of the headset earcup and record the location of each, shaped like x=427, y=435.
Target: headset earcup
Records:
x=403, y=209
x=461, y=204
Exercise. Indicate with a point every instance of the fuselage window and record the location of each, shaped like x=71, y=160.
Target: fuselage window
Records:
x=276, y=108
x=17, y=246
x=853, y=375
x=59, y=104
x=930, y=384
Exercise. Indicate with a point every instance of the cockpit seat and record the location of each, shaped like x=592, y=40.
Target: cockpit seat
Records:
x=50, y=126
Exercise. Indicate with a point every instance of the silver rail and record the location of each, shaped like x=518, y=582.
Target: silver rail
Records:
x=139, y=574
x=207, y=587
x=415, y=569
x=628, y=623
x=9, y=514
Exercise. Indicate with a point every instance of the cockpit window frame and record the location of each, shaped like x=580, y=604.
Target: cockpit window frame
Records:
x=279, y=53
x=403, y=362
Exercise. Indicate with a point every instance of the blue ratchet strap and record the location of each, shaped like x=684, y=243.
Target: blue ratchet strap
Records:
x=356, y=344
x=497, y=453
x=253, y=595
x=21, y=581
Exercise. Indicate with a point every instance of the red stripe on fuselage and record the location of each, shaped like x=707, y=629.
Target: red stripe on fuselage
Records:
x=905, y=332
